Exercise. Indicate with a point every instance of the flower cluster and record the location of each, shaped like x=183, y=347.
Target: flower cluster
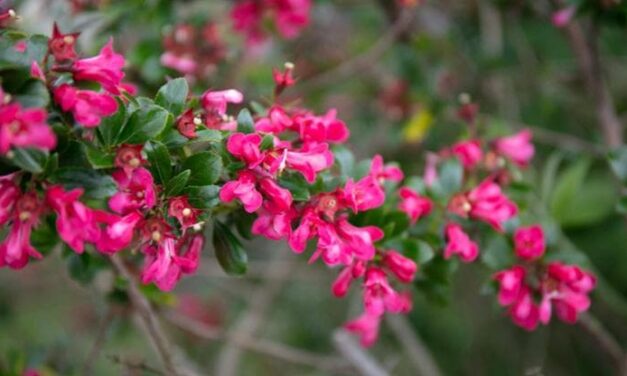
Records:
x=533, y=289
x=289, y=16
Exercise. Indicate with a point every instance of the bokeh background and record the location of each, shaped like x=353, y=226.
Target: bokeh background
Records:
x=395, y=75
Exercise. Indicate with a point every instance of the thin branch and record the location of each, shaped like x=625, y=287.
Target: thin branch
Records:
x=603, y=338
x=362, y=61
x=134, y=365
x=251, y=320
x=419, y=354
x=355, y=354
x=101, y=336
x=261, y=346
x=587, y=55
x=567, y=141
x=153, y=328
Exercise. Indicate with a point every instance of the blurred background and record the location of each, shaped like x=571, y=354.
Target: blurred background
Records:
x=395, y=71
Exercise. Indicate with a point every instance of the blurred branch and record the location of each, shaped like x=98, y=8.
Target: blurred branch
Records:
x=355, y=354
x=261, y=346
x=360, y=62
x=134, y=365
x=98, y=342
x=604, y=339
x=419, y=354
x=587, y=54
x=228, y=359
x=143, y=308
x=566, y=141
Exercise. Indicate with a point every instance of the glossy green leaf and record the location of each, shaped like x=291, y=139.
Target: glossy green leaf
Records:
x=203, y=197
x=205, y=167
x=618, y=162
x=143, y=124
x=98, y=158
x=160, y=162
x=176, y=185
x=245, y=122
x=172, y=96
x=111, y=126
x=31, y=160
x=95, y=184
x=229, y=251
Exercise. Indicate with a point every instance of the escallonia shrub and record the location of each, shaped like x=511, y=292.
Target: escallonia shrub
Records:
x=87, y=164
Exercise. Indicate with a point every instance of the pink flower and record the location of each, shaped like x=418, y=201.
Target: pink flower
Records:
x=216, y=102
x=244, y=190
x=342, y=282
x=276, y=122
x=529, y=242
x=15, y=249
x=291, y=16
x=9, y=194
x=105, y=68
x=119, y=232
x=273, y=223
x=310, y=160
x=562, y=17
x=326, y=128
x=283, y=79
x=487, y=203
x=181, y=209
x=24, y=128
x=380, y=297
x=305, y=231
x=511, y=283
x=403, y=268
x=36, y=72
x=136, y=191
x=246, y=148
x=165, y=262
x=518, y=147
x=413, y=204
x=184, y=64
x=366, y=327
x=20, y=46
x=186, y=124
x=469, y=153
x=128, y=158
x=431, y=172
x=524, y=312
x=384, y=173
x=62, y=46
x=88, y=107
x=279, y=196
x=246, y=16
x=567, y=287
x=364, y=195
x=359, y=240
x=76, y=223
x=459, y=243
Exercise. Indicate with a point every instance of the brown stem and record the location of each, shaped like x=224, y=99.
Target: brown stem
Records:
x=587, y=55
x=604, y=339
x=143, y=308
x=98, y=342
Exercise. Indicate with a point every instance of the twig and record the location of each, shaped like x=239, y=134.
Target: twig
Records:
x=604, y=339
x=137, y=365
x=261, y=346
x=419, y=354
x=362, y=61
x=98, y=342
x=355, y=354
x=154, y=330
x=247, y=325
x=567, y=141
x=587, y=55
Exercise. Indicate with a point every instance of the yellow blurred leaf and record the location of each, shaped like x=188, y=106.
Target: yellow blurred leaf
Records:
x=418, y=126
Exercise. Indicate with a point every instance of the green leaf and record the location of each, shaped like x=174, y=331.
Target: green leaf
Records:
x=245, y=122
x=203, y=197
x=208, y=135
x=395, y=223
x=205, y=167
x=229, y=251
x=95, y=184
x=172, y=96
x=31, y=160
x=418, y=250
x=97, y=157
x=296, y=184
x=160, y=162
x=34, y=93
x=618, y=162
x=176, y=185
x=345, y=160
x=145, y=123
x=111, y=126
x=498, y=253
x=267, y=142
x=450, y=176
x=84, y=267
x=36, y=48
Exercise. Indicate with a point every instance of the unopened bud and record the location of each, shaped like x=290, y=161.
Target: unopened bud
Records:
x=197, y=121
